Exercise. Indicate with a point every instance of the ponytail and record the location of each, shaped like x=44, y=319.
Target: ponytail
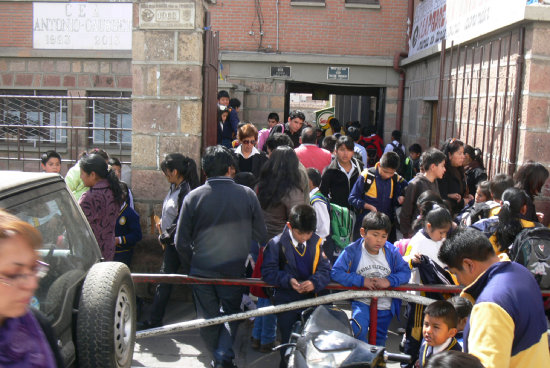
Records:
x=439, y=217
x=185, y=166
x=96, y=163
x=115, y=186
x=509, y=220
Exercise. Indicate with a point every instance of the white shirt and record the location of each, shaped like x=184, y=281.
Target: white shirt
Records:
x=239, y=151
x=350, y=173
x=323, y=217
x=362, y=151
x=294, y=241
x=371, y=265
x=389, y=146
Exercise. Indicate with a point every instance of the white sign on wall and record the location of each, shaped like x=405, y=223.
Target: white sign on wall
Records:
x=460, y=21
x=82, y=26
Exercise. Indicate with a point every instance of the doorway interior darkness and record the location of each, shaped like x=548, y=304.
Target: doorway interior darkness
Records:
x=365, y=104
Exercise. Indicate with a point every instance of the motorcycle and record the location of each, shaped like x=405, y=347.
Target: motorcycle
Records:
x=323, y=338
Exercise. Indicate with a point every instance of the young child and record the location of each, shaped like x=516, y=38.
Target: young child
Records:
x=295, y=263
x=483, y=192
x=433, y=163
x=373, y=263
x=127, y=234
x=439, y=330
x=412, y=163
x=463, y=309
x=51, y=162
x=380, y=189
x=530, y=177
x=425, y=243
x=454, y=359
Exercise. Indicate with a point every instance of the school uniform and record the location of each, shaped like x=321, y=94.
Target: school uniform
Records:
x=426, y=351
x=128, y=231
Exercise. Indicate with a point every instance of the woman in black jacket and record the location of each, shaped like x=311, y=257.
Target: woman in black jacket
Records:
x=452, y=187
x=250, y=158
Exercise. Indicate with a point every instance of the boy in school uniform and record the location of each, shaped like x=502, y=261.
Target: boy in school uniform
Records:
x=295, y=263
x=373, y=263
x=381, y=189
x=439, y=330
x=127, y=234
x=319, y=203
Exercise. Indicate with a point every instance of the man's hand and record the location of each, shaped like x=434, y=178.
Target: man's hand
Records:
x=381, y=283
x=369, y=284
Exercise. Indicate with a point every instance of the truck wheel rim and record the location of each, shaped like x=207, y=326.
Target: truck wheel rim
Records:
x=123, y=326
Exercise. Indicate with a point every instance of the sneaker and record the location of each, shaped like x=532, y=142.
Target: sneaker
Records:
x=255, y=343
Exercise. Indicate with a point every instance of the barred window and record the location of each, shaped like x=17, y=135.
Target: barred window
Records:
x=110, y=119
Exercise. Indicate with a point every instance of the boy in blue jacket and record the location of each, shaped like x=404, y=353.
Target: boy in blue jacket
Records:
x=379, y=189
x=373, y=263
x=295, y=263
x=127, y=234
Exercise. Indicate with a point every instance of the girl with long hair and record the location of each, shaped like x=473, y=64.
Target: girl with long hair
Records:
x=530, y=177
x=452, y=187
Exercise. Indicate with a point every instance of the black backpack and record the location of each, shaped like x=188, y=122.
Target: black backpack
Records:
x=399, y=150
x=531, y=248
x=478, y=211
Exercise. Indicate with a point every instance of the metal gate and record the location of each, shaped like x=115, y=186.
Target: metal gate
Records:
x=479, y=98
x=210, y=84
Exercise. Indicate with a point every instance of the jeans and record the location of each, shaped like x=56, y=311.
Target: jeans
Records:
x=208, y=299
x=361, y=314
x=265, y=327
x=171, y=263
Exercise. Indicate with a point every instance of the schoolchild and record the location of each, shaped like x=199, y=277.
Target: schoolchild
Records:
x=530, y=177
x=439, y=330
x=463, y=309
x=373, y=263
x=116, y=165
x=373, y=143
x=483, y=192
x=127, y=234
x=294, y=262
x=412, y=163
x=433, y=163
x=342, y=173
x=379, y=189
x=320, y=206
x=424, y=244
x=454, y=359
x=50, y=161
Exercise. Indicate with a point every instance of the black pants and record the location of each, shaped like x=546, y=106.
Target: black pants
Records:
x=171, y=263
x=413, y=332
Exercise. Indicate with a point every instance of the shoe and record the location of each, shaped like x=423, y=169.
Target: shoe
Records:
x=267, y=348
x=146, y=325
x=255, y=343
x=223, y=364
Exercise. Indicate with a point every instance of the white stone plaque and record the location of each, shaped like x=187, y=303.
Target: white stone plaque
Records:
x=167, y=15
x=82, y=26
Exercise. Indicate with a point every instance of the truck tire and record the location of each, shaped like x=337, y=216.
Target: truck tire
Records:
x=106, y=322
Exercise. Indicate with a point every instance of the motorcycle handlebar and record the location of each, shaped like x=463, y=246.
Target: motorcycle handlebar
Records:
x=403, y=358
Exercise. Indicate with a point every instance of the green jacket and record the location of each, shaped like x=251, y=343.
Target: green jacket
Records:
x=74, y=182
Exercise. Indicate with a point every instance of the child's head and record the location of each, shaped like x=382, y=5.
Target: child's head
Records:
x=344, y=149
x=483, y=192
x=514, y=205
x=235, y=103
x=223, y=97
x=302, y=222
x=272, y=119
x=455, y=359
x=415, y=151
x=463, y=309
x=224, y=115
x=245, y=178
x=437, y=222
x=396, y=135
x=530, y=177
x=440, y=322
x=374, y=230
x=472, y=154
x=433, y=161
x=354, y=133
x=314, y=177
x=329, y=143
x=389, y=163
x=51, y=162
x=498, y=184
x=116, y=166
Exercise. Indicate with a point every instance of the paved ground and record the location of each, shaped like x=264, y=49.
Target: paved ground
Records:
x=187, y=349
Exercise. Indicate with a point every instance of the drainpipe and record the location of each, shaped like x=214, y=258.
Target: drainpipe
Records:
x=397, y=57
x=277, y=7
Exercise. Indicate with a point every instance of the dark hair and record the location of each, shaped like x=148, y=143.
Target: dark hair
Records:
x=329, y=143
x=345, y=141
x=185, y=166
x=354, y=133
x=474, y=153
x=113, y=161
x=509, y=224
x=444, y=310
x=376, y=221
x=485, y=188
x=498, y=184
x=314, y=175
x=433, y=213
x=278, y=140
x=462, y=306
x=217, y=160
x=396, y=135
x=465, y=243
x=309, y=135
x=278, y=176
x=96, y=163
x=297, y=114
x=390, y=160
x=416, y=148
x=245, y=178
x=235, y=103
x=429, y=195
x=273, y=115
x=45, y=157
x=97, y=151
x=530, y=177
x=455, y=359
x=450, y=146
x=223, y=93
x=431, y=156
x=335, y=125
x=425, y=205
x=303, y=218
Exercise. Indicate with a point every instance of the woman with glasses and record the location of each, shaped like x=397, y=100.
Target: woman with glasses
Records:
x=26, y=340
x=250, y=158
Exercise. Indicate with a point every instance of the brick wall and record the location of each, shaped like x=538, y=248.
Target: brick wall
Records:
x=333, y=29
x=16, y=24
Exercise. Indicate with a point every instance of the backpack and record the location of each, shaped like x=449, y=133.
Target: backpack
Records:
x=398, y=149
x=478, y=211
x=371, y=177
x=372, y=150
x=487, y=226
x=342, y=221
x=531, y=248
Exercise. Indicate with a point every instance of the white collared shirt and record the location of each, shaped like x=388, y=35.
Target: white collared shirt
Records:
x=255, y=151
x=323, y=217
x=440, y=348
x=294, y=241
x=350, y=173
